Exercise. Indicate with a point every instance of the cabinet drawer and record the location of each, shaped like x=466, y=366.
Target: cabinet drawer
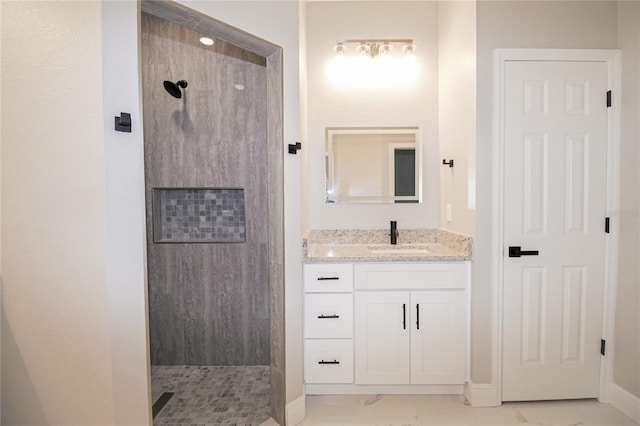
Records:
x=392, y=276
x=328, y=315
x=328, y=277
x=328, y=361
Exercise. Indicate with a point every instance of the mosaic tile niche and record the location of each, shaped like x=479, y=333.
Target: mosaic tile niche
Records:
x=198, y=215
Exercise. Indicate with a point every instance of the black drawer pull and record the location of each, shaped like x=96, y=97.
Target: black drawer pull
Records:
x=328, y=278
x=328, y=316
x=329, y=362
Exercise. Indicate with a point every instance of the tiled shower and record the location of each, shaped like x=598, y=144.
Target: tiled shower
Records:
x=205, y=215
x=206, y=181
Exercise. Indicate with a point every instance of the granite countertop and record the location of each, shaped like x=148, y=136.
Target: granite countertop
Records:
x=414, y=245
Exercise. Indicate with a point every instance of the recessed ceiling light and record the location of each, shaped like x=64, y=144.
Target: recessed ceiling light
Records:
x=206, y=41
x=239, y=86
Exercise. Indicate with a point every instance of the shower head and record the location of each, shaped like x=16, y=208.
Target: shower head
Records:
x=174, y=88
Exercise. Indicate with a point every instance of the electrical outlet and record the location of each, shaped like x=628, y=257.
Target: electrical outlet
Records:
x=447, y=213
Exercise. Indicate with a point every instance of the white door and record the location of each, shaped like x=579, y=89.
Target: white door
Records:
x=438, y=337
x=554, y=204
x=382, y=329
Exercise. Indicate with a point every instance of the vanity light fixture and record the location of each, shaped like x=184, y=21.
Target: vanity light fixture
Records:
x=375, y=47
x=373, y=65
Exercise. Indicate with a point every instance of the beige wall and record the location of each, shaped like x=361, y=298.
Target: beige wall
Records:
x=627, y=322
x=56, y=346
x=516, y=24
x=329, y=106
x=457, y=111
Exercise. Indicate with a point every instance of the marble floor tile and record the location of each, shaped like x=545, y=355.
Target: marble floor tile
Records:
x=436, y=410
x=240, y=396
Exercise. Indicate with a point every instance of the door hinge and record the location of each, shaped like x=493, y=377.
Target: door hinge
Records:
x=609, y=99
x=603, y=344
x=606, y=225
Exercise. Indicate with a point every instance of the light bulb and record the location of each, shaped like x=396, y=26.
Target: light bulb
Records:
x=409, y=49
x=206, y=41
x=363, y=49
x=385, y=49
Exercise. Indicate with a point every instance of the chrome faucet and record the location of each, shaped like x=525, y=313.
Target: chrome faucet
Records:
x=394, y=232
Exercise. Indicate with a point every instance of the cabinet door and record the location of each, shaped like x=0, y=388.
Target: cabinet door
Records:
x=438, y=337
x=382, y=335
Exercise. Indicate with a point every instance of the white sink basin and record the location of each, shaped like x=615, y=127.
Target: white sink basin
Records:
x=399, y=251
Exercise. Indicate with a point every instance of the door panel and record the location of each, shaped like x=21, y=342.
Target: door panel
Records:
x=534, y=311
x=554, y=203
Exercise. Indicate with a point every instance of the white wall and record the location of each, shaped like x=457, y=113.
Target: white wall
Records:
x=521, y=24
x=457, y=111
x=56, y=343
x=329, y=106
x=627, y=325
x=304, y=115
x=126, y=245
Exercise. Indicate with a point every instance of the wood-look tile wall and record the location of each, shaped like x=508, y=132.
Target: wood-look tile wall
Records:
x=208, y=303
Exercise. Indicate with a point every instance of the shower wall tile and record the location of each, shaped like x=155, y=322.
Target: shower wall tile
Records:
x=276, y=294
x=278, y=405
x=198, y=215
x=274, y=103
x=171, y=13
x=275, y=173
x=275, y=159
x=208, y=303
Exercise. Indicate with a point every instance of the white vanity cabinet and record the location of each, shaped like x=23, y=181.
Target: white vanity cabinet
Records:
x=410, y=337
x=416, y=333
x=409, y=325
x=328, y=323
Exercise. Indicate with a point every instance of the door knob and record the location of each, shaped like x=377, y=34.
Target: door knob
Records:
x=516, y=251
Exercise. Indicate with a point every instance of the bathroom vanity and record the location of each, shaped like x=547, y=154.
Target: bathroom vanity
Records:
x=382, y=318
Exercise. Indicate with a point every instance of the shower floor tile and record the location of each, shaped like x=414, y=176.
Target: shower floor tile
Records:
x=212, y=395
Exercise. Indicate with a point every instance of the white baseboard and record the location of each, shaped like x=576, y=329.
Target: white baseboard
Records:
x=295, y=411
x=482, y=395
x=351, y=389
x=626, y=402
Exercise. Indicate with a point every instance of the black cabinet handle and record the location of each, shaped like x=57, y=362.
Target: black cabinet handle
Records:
x=418, y=316
x=329, y=362
x=516, y=251
x=404, y=316
x=328, y=278
x=328, y=316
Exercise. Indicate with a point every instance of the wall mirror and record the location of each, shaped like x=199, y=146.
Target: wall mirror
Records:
x=375, y=165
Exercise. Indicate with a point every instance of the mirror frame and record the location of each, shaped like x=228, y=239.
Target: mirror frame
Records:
x=331, y=132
